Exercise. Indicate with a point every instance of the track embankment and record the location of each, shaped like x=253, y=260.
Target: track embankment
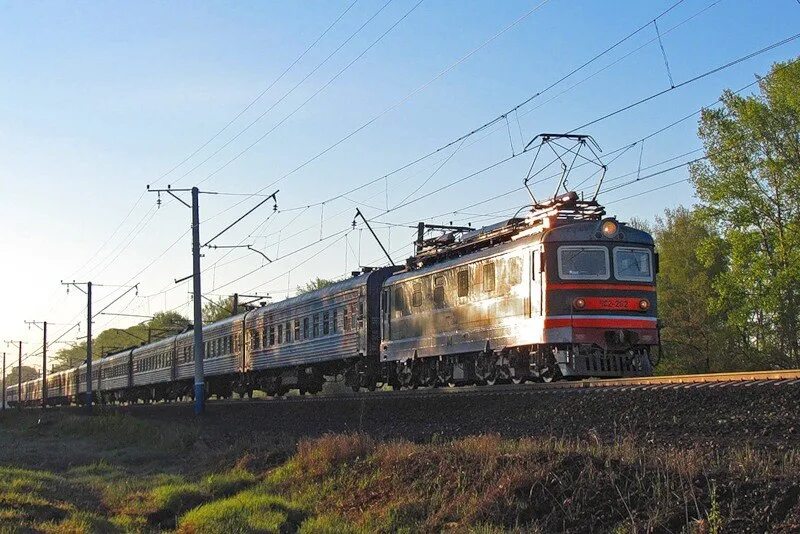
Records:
x=720, y=409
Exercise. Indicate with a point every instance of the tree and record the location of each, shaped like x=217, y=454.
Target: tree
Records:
x=749, y=187
x=217, y=310
x=69, y=357
x=28, y=373
x=114, y=340
x=691, y=257
x=315, y=284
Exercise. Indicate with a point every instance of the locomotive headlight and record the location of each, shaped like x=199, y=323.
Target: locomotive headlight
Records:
x=644, y=304
x=579, y=303
x=609, y=228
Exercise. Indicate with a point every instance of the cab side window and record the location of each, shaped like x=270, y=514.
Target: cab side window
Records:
x=488, y=277
x=438, y=291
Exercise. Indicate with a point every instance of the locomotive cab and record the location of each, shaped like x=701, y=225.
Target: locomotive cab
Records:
x=599, y=298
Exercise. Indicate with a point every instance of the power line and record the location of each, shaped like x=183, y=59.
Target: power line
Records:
x=261, y=94
x=690, y=81
x=286, y=94
x=313, y=95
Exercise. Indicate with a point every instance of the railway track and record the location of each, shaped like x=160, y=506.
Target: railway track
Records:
x=715, y=380
x=748, y=379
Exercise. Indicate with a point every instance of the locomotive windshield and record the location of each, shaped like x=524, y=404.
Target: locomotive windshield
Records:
x=583, y=263
x=632, y=264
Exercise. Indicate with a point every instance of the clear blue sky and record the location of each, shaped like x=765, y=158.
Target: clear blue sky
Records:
x=99, y=99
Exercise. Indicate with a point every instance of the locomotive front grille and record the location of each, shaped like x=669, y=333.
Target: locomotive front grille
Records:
x=596, y=362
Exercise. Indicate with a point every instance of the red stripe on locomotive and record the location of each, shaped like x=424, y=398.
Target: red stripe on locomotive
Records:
x=593, y=322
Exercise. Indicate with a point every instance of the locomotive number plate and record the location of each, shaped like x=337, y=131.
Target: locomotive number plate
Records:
x=611, y=303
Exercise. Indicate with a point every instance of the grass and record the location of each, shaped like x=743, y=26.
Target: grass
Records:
x=90, y=477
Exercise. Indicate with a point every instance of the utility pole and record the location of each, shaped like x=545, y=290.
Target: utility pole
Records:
x=89, y=355
x=19, y=378
x=89, y=347
x=43, y=326
x=197, y=295
x=19, y=373
x=89, y=317
x=44, y=365
x=197, y=331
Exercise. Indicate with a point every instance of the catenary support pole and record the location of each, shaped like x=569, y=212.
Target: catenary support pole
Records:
x=4, y=381
x=89, y=347
x=199, y=381
x=19, y=378
x=44, y=365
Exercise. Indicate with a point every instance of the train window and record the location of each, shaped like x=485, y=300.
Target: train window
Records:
x=632, y=264
x=280, y=333
x=271, y=336
x=416, y=296
x=315, y=332
x=288, y=331
x=354, y=320
x=488, y=277
x=335, y=319
x=398, y=303
x=438, y=291
x=515, y=271
x=325, y=323
x=297, y=329
x=255, y=339
x=345, y=324
x=305, y=327
x=463, y=283
x=583, y=263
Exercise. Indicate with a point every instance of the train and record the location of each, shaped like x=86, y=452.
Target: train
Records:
x=562, y=293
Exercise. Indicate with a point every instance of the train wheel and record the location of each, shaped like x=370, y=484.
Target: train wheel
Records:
x=485, y=368
x=548, y=374
x=520, y=367
x=405, y=374
x=444, y=371
x=426, y=373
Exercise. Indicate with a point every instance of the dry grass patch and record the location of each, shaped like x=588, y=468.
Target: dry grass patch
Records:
x=486, y=483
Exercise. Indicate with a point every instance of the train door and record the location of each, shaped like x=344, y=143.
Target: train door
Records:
x=537, y=275
x=173, y=360
x=240, y=342
x=386, y=315
x=362, y=321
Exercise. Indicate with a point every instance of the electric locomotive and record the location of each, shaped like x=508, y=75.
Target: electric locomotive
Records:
x=563, y=292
